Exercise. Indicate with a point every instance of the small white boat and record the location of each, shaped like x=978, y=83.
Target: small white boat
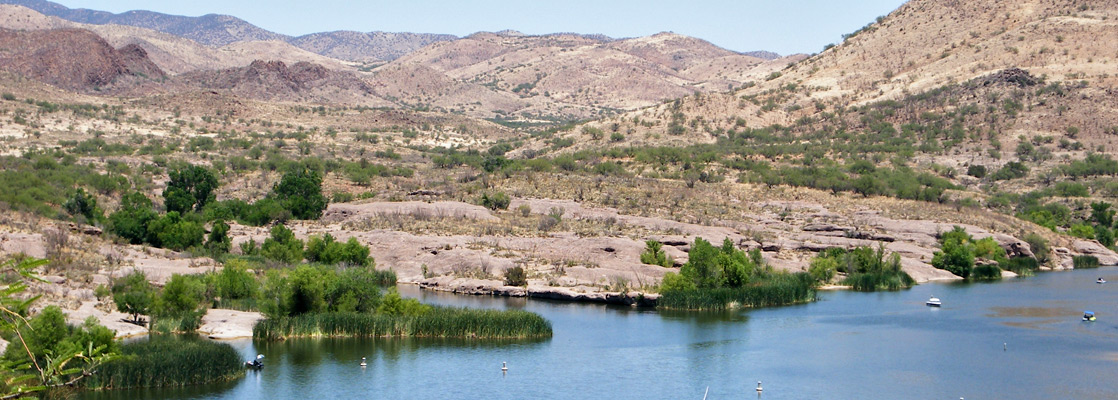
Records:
x=933, y=302
x=363, y=363
x=1100, y=280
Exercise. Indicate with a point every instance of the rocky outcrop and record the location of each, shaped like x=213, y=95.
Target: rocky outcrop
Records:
x=74, y=59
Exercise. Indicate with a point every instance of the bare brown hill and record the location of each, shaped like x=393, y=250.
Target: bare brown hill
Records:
x=73, y=59
x=368, y=47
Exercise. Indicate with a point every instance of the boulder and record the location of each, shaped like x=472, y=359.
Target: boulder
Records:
x=1093, y=248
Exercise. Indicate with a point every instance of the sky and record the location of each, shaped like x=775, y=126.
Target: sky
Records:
x=782, y=26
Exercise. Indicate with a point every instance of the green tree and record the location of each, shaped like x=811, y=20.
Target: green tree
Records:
x=189, y=188
x=675, y=282
x=822, y=269
x=133, y=295
x=282, y=246
x=355, y=290
x=300, y=192
x=131, y=221
x=702, y=266
x=498, y=201
x=182, y=294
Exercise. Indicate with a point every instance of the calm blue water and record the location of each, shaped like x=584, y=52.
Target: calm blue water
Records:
x=848, y=345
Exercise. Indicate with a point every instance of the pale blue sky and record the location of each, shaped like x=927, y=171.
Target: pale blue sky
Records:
x=783, y=26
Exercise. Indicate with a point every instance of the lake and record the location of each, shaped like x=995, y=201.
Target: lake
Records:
x=847, y=345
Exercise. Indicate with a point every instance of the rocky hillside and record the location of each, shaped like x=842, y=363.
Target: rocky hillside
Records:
x=277, y=81
x=925, y=45
x=173, y=54
x=367, y=47
x=572, y=75
x=73, y=59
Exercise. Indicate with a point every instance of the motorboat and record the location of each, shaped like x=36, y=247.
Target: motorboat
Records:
x=933, y=302
x=257, y=363
x=1100, y=280
x=1088, y=315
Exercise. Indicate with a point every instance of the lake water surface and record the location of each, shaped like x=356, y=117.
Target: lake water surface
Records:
x=845, y=346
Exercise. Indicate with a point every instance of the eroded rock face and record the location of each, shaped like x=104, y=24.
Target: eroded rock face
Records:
x=74, y=59
x=1093, y=248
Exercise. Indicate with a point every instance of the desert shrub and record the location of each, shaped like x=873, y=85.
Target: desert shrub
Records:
x=1011, y=170
x=48, y=335
x=498, y=201
x=83, y=204
x=977, y=171
x=1039, y=246
x=516, y=276
x=218, y=241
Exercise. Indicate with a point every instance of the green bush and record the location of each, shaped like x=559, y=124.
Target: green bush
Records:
x=957, y=253
x=218, y=241
x=282, y=246
x=498, y=201
x=235, y=281
x=324, y=249
x=181, y=294
x=986, y=272
x=515, y=276
x=654, y=254
x=780, y=289
x=173, y=232
x=48, y=335
x=131, y=221
x=83, y=204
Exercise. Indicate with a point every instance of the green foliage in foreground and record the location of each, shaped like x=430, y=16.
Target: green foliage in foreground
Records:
x=163, y=361
x=437, y=322
x=776, y=290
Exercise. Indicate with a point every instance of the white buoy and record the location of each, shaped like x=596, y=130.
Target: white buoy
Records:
x=759, y=387
x=363, y=362
x=1004, y=347
x=504, y=367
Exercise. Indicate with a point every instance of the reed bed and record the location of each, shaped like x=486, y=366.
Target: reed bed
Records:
x=435, y=323
x=777, y=291
x=869, y=281
x=1079, y=262
x=168, y=361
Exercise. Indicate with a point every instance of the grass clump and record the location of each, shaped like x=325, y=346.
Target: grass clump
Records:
x=165, y=361
x=436, y=322
x=1079, y=262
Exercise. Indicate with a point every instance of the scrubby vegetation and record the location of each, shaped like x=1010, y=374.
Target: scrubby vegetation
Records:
x=728, y=277
x=960, y=255
x=866, y=269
